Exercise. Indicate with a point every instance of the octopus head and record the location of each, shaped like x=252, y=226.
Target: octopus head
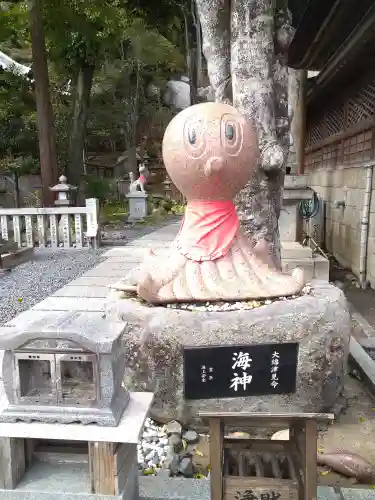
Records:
x=210, y=151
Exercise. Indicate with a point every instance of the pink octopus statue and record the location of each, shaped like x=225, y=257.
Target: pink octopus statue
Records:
x=210, y=152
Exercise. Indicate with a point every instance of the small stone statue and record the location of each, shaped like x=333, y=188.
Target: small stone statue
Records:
x=210, y=152
x=139, y=184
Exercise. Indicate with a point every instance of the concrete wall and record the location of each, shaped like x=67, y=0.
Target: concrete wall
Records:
x=342, y=225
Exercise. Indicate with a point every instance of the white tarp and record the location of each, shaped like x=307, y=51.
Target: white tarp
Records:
x=13, y=66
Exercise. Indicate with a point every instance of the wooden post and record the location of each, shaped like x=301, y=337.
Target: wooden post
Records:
x=301, y=113
x=78, y=230
x=29, y=231
x=93, y=230
x=4, y=227
x=12, y=462
x=297, y=103
x=240, y=465
x=305, y=435
x=17, y=230
x=311, y=437
x=112, y=467
x=53, y=231
x=216, y=457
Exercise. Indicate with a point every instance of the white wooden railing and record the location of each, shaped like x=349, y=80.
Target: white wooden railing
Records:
x=55, y=227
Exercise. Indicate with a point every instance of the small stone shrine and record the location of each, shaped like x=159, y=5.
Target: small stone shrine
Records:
x=63, y=372
x=68, y=427
x=217, y=292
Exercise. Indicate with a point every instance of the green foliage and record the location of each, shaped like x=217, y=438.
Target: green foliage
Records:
x=19, y=165
x=13, y=23
x=82, y=31
x=151, y=49
x=133, y=47
x=18, y=135
x=164, y=206
x=96, y=187
x=112, y=212
x=120, y=93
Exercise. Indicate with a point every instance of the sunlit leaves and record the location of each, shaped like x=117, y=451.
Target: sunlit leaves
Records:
x=13, y=23
x=84, y=30
x=131, y=51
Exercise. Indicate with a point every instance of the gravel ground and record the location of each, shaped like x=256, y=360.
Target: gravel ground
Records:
x=33, y=281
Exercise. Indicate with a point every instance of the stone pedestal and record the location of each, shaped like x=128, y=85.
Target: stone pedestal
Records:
x=319, y=322
x=137, y=206
x=11, y=255
x=37, y=463
x=293, y=254
x=68, y=426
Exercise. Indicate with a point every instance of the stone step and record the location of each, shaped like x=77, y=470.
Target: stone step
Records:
x=306, y=264
x=321, y=267
x=13, y=258
x=294, y=250
x=316, y=267
x=7, y=246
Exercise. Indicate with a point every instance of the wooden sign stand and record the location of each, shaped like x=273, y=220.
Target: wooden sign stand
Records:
x=264, y=469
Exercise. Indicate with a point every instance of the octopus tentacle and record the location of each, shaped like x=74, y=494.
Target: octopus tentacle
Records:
x=210, y=277
x=244, y=273
x=253, y=284
x=162, y=271
x=232, y=283
x=194, y=279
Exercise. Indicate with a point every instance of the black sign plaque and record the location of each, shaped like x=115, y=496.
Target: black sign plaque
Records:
x=236, y=371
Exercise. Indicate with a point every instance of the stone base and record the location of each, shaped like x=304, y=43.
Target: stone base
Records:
x=293, y=255
x=294, y=250
x=17, y=257
x=127, y=431
x=315, y=267
x=137, y=206
x=65, y=481
x=108, y=417
x=156, y=337
x=321, y=268
x=32, y=470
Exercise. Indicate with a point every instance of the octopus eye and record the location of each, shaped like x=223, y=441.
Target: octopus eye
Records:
x=192, y=136
x=229, y=131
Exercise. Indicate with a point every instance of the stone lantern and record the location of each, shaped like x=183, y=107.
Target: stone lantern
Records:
x=64, y=192
x=64, y=199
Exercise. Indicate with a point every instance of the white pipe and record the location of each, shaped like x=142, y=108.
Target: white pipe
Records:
x=365, y=225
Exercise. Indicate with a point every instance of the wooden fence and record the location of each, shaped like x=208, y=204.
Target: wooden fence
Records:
x=67, y=227
x=342, y=133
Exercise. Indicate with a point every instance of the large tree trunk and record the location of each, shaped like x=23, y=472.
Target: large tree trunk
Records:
x=259, y=36
x=214, y=16
x=46, y=135
x=297, y=90
x=190, y=61
x=198, y=37
x=81, y=103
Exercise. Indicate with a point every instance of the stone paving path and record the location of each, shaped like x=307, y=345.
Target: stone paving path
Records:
x=88, y=292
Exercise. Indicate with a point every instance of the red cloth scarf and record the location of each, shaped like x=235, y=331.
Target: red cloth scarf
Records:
x=208, y=230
